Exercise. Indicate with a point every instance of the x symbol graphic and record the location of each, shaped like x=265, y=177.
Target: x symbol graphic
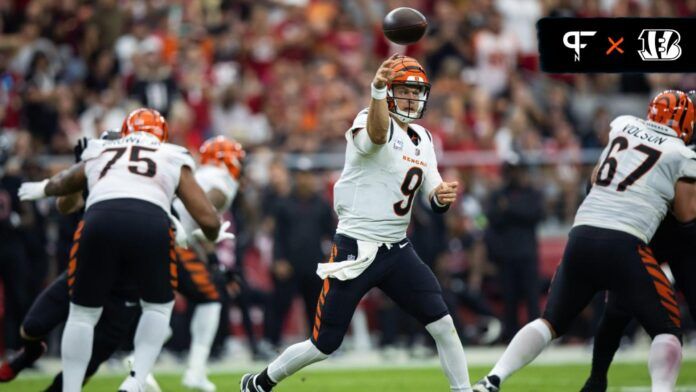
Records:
x=615, y=45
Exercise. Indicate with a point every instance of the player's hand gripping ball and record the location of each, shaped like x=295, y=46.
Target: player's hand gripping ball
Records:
x=404, y=25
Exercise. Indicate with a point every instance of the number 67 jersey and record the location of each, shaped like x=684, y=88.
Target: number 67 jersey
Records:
x=137, y=166
x=636, y=177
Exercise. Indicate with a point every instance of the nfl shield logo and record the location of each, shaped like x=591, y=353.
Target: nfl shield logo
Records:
x=398, y=145
x=417, y=151
x=351, y=257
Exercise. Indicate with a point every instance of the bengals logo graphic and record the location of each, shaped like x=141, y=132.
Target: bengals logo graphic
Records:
x=660, y=45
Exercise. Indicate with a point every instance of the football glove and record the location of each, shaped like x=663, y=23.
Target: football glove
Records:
x=79, y=148
x=32, y=190
x=222, y=234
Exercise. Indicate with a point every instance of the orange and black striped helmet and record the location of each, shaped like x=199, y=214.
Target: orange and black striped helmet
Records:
x=414, y=76
x=146, y=120
x=674, y=109
x=222, y=151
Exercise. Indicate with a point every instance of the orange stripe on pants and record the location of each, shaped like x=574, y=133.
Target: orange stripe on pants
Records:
x=662, y=286
x=322, y=297
x=173, y=271
x=317, y=317
x=72, y=262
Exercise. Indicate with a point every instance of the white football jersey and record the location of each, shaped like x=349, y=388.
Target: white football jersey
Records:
x=137, y=166
x=637, y=174
x=375, y=194
x=208, y=177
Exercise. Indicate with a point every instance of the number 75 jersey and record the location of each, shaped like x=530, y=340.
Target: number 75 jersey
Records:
x=637, y=174
x=137, y=166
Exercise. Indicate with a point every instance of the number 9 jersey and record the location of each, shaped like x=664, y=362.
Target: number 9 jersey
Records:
x=137, y=166
x=376, y=192
x=636, y=177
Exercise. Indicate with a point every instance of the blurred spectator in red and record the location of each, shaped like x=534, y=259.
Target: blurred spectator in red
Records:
x=496, y=55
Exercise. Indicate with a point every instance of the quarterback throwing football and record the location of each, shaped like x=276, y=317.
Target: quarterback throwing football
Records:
x=389, y=160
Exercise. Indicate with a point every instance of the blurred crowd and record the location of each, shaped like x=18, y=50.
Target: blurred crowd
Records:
x=288, y=76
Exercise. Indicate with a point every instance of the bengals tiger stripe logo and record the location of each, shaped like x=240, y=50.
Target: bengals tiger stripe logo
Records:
x=674, y=109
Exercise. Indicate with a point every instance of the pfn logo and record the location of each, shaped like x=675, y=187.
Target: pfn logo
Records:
x=660, y=45
x=575, y=44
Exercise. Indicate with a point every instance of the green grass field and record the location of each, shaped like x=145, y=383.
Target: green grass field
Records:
x=532, y=379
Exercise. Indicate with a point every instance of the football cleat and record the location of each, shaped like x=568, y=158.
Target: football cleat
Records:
x=130, y=384
x=197, y=381
x=151, y=384
x=487, y=384
x=248, y=384
x=10, y=369
x=6, y=372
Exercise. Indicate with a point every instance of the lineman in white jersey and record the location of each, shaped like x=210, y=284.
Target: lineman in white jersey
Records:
x=125, y=232
x=389, y=161
x=218, y=176
x=645, y=169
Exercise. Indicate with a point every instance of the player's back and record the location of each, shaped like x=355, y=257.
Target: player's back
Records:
x=137, y=166
x=636, y=177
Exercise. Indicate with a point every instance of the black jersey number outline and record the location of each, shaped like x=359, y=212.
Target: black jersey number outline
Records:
x=408, y=190
x=652, y=157
x=135, y=157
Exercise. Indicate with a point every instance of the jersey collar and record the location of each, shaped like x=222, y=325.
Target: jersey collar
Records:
x=661, y=129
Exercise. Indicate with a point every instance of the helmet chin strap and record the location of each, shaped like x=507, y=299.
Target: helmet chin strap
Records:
x=403, y=115
x=402, y=118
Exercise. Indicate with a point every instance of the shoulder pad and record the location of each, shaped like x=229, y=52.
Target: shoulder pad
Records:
x=93, y=150
x=181, y=154
x=687, y=152
x=621, y=120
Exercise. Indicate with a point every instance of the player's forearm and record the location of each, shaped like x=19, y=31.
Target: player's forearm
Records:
x=207, y=219
x=70, y=203
x=217, y=198
x=68, y=181
x=197, y=204
x=378, y=121
x=684, y=203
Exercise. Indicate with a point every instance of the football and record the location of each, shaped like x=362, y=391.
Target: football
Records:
x=404, y=25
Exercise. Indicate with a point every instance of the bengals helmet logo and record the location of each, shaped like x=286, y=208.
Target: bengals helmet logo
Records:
x=660, y=45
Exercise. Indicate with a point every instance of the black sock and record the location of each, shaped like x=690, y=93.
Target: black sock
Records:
x=31, y=351
x=607, y=341
x=495, y=380
x=264, y=381
x=57, y=385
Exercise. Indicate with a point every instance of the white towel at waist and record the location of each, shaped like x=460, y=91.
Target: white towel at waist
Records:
x=350, y=269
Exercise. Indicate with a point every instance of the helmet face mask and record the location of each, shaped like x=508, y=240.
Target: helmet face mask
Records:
x=407, y=95
x=402, y=97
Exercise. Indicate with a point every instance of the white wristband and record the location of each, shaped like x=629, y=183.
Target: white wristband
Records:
x=377, y=93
